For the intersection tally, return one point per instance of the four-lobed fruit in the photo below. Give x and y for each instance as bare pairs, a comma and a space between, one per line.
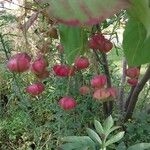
84, 90
99, 42
96, 41
107, 46
67, 103
113, 92
101, 94
39, 65
81, 63
19, 63
63, 70
98, 81
133, 72
35, 89
132, 82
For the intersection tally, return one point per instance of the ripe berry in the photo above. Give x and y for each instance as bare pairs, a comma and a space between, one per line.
67, 103
81, 63
132, 82
19, 63
61, 70
84, 90
101, 94
133, 72
35, 89
98, 81
39, 65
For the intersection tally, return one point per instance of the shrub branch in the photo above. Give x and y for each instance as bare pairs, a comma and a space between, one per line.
136, 92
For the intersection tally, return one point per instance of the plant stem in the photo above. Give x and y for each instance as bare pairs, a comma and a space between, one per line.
136, 92
121, 91
107, 73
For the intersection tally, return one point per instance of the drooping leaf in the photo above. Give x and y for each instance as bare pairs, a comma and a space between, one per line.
77, 12
115, 138
140, 146
136, 45
94, 136
74, 40
140, 11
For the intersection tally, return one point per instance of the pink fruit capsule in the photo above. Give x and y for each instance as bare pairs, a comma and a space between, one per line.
133, 72
67, 103
101, 94
35, 89
39, 65
19, 63
98, 81
132, 82
81, 63
61, 70
84, 90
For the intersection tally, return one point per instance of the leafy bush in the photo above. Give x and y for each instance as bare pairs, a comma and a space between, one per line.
138, 128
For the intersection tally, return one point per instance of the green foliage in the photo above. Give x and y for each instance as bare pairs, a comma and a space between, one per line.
137, 33
6, 18
136, 44
139, 146
140, 11
16, 124
78, 143
74, 40
138, 129
26, 120
97, 140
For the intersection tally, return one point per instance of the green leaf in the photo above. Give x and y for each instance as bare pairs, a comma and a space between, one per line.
70, 146
74, 40
140, 10
140, 146
79, 12
76, 142
98, 127
135, 43
94, 136
108, 123
121, 146
115, 138
111, 130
